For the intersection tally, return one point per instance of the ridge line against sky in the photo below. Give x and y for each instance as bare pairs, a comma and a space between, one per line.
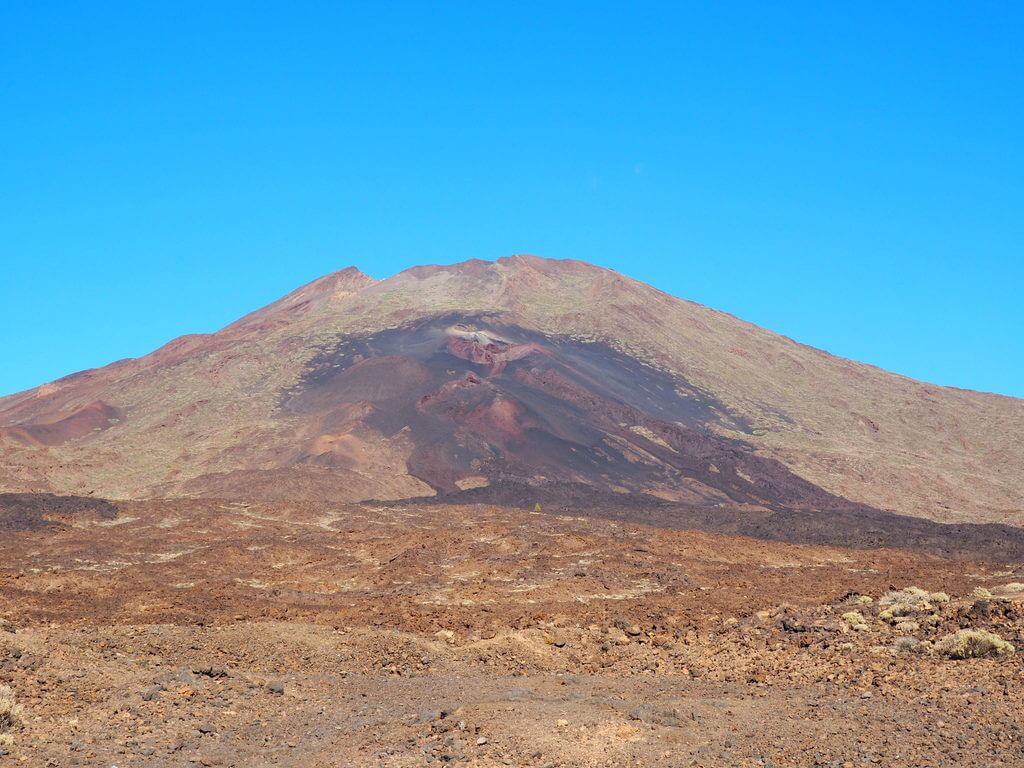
381, 277
847, 177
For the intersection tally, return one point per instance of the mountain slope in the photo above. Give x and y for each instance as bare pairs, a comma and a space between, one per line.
450, 377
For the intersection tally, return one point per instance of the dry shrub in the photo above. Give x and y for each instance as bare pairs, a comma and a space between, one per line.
1012, 591
10, 714
973, 644
905, 644
907, 602
855, 621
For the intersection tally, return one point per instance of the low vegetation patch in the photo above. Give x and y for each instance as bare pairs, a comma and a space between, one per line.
856, 621
905, 644
1012, 591
911, 601
973, 644
10, 715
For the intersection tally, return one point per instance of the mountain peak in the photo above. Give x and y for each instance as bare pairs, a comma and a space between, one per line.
331, 286
523, 283
328, 289
447, 377
511, 263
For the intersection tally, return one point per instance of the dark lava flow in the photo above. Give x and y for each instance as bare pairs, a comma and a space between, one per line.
479, 397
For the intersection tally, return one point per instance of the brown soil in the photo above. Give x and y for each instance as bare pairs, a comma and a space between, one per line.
178, 633
60, 428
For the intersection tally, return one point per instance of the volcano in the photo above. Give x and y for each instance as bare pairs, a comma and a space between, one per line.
524, 372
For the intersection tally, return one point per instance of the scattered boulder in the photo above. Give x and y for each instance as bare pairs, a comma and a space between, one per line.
653, 715
210, 671
152, 693
790, 624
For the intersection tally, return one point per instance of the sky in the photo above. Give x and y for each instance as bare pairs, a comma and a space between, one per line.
850, 175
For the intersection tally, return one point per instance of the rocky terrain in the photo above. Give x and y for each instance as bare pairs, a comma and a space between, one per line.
225, 633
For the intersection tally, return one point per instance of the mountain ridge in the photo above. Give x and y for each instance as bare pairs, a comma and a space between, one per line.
208, 405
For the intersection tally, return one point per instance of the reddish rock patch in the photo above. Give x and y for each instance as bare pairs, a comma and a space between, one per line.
60, 428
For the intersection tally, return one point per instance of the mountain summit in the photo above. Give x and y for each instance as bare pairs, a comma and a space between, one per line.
443, 379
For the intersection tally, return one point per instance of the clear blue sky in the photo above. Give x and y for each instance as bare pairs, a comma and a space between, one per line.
848, 174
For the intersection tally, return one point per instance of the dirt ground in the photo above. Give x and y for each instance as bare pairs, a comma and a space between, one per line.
199, 633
